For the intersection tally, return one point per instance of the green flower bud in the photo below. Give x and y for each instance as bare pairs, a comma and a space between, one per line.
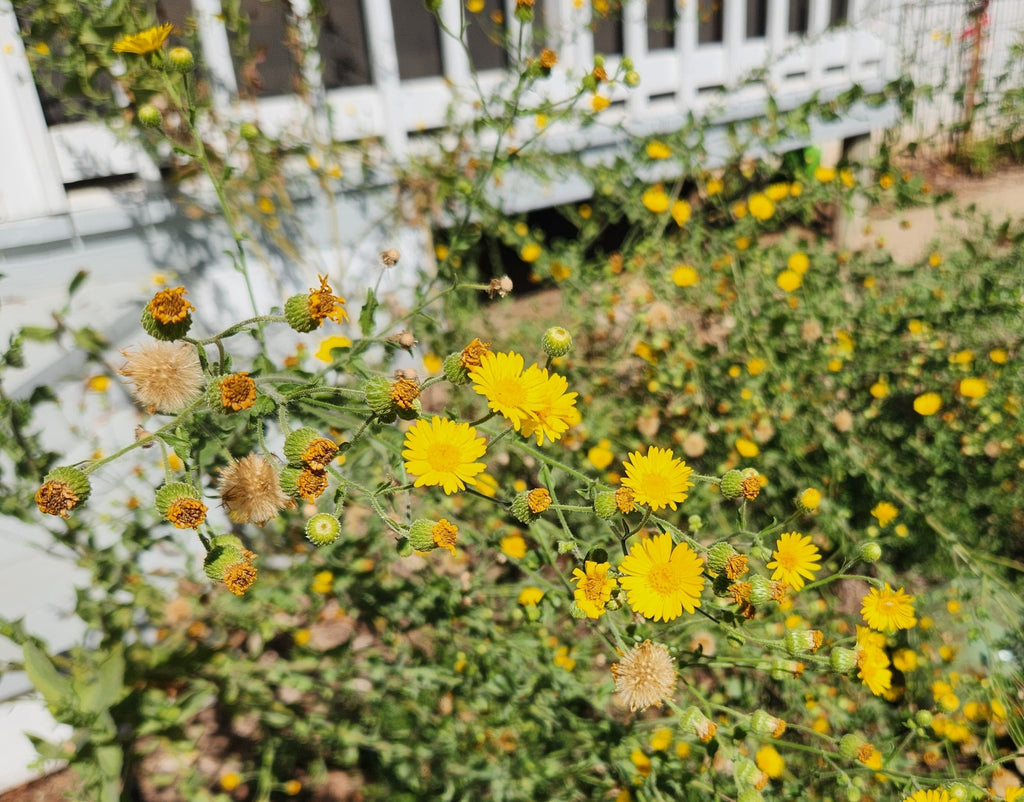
761, 592
566, 546
695, 523
181, 59
718, 556
421, 535
404, 547
378, 398
521, 508
731, 485
556, 341
149, 116
850, 745
924, 718
803, 641
221, 557
746, 773
841, 660
870, 552
764, 725
605, 505
323, 529
248, 132
453, 370
598, 60
296, 443
632, 78
296, 311
590, 82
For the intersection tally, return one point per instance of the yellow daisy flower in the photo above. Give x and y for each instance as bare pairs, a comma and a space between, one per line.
657, 479
508, 389
593, 587
888, 609
796, 558
442, 452
552, 409
929, 795
144, 42
662, 580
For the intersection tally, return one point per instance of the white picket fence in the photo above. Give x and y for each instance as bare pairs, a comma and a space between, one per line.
682, 71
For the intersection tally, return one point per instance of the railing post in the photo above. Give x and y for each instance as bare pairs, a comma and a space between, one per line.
817, 22
734, 33
27, 161
778, 34
687, 41
384, 69
634, 46
213, 39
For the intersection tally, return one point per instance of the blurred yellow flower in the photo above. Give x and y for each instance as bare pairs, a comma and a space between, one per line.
474, 6
685, 276
798, 262
98, 384
747, 448
601, 456
756, 366
973, 388
998, 355
825, 174
713, 186
880, 389
935, 259
530, 596
599, 103
789, 280
681, 212
927, 404
658, 150
323, 352
432, 363
761, 206
530, 252
885, 513
656, 199
770, 761
514, 546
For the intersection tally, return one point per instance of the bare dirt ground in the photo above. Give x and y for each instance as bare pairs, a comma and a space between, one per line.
908, 234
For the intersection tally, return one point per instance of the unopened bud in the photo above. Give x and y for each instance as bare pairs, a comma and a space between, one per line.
557, 341
181, 59
870, 552
150, 116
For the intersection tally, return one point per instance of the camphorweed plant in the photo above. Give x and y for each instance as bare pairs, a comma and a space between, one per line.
534, 572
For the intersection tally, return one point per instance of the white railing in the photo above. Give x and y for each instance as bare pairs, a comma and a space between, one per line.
682, 72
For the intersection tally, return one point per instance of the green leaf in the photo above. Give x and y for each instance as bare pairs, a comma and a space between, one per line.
366, 313
88, 339
77, 282
104, 688
110, 760
39, 334
54, 687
